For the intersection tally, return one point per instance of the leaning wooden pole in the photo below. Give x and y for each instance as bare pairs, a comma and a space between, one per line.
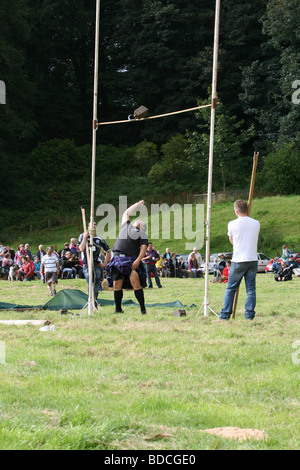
251, 192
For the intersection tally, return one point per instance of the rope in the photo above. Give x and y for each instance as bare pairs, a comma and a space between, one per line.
155, 117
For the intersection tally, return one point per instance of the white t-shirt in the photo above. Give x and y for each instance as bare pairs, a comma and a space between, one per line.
49, 263
244, 232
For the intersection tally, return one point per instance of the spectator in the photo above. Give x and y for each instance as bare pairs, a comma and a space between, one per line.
40, 253
67, 266
182, 268
294, 265
150, 261
21, 252
28, 251
175, 271
286, 253
73, 247
217, 272
37, 267
197, 256
167, 254
276, 265
65, 250
26, 273
11, 251
7, 262
284, 273
2, 252
225, 273
194, 267
166, 267
159, 263
222, 262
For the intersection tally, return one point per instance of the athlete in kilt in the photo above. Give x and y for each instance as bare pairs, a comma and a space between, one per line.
50, 270
98, 244
125, 269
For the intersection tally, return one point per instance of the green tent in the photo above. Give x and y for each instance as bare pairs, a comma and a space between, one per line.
73, 299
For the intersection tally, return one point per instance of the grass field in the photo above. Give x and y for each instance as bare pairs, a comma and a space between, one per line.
156, 381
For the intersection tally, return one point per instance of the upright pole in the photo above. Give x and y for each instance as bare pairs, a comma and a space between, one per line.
211, 152
91, 305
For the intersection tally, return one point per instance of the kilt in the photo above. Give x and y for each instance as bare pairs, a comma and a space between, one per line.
120, 267
50, 277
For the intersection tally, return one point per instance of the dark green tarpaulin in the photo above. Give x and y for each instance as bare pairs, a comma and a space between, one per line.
73, 299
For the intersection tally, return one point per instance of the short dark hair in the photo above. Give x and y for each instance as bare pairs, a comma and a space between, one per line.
241, 206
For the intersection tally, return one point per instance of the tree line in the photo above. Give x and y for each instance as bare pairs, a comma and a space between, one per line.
156, 53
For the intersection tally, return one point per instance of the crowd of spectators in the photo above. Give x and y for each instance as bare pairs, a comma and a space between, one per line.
27, 265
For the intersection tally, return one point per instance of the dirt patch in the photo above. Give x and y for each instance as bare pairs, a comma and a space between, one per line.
237, 433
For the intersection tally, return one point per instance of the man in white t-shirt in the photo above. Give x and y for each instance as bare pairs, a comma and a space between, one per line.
50, 270
243, 234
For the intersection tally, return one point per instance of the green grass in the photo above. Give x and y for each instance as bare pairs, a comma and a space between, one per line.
149, 382
279, 218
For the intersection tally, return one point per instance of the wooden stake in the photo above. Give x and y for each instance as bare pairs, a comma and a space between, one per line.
254, 168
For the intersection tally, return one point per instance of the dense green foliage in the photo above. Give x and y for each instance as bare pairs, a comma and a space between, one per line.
157, 54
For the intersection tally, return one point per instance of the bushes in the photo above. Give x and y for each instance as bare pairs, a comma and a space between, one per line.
281, 171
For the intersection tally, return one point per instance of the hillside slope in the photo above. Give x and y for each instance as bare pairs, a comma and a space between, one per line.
279, 218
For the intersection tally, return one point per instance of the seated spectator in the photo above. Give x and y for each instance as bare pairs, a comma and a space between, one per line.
65, 250
2, 253
159, 264
37, 267
78, 265
226, 270
183, 269
40, 253
21, 252
26, 273
217, 272
67, 266
73, 246
194, 267
276, 265
7, 262
166, 268
175, 270
167, 254
284, 273
197, 256
294, 265
222, 262
28, 251
11, 251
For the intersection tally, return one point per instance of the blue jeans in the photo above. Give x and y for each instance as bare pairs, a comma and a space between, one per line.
248, 270
151, 268
96, 277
